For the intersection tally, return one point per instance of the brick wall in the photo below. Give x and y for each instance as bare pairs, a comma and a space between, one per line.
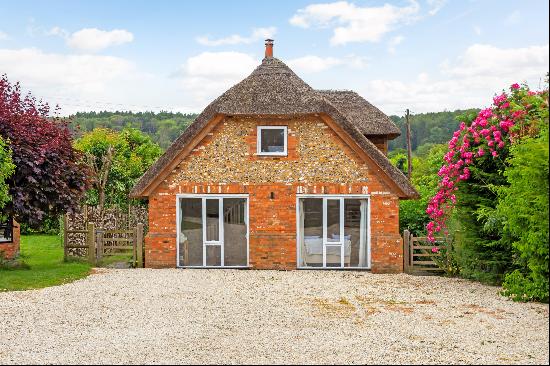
319, 161
11, 250
381, 143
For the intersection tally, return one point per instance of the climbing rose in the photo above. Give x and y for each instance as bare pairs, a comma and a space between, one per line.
490, 132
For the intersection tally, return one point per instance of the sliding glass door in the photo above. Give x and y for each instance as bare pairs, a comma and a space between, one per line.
333, 232
213, 231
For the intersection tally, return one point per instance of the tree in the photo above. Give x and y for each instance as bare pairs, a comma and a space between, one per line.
399, 159
523, 205
482, 169
6, 170
434, 127
482, 143
412, 213
49, 177
116, 160
162, 127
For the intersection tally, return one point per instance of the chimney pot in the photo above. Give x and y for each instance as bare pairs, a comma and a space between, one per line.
268, 48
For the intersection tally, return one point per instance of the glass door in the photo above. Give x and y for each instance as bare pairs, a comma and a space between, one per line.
333, 232
213, 231
333, 240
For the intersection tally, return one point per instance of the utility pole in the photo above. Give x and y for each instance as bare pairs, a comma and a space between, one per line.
409, 162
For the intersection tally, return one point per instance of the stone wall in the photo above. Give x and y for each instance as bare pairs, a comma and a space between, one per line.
228, 155
318, 161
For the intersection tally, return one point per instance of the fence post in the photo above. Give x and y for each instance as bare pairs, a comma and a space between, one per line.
65, 238
99, 241
134, 246
90, 240
411, 252
139, 245
406, 251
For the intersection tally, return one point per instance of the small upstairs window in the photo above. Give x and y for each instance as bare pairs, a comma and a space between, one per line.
272, 140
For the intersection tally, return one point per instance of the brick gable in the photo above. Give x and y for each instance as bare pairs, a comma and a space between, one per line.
318, 161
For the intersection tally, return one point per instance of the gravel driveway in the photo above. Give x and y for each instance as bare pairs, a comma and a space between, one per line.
231, 316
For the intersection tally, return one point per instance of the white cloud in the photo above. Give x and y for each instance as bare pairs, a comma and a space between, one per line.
353, 23
90, 82
423, 77
394, 42
313, 64
83, 82
209, 74
3, 36
477, 30
436, 6
513, 18
90, 39
93, 39
469, 81
481, 60
85, 72
57, 31
256, 35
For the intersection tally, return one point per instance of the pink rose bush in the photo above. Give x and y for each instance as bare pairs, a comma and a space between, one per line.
490, 132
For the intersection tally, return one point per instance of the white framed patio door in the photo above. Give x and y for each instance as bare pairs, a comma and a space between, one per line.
333, 231
333, 243
213, 243
212, 231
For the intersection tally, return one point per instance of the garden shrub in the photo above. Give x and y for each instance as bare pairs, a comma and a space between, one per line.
412, 213
494, 190
524, 206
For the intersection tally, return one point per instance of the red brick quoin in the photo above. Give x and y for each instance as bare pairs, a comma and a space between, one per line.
10, 250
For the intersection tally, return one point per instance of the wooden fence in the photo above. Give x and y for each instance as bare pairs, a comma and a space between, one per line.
418, 256
111, 218
99, 243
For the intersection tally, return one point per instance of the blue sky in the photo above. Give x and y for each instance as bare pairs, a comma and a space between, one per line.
426, 55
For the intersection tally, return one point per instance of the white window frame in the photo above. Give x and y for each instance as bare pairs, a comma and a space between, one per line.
326, 243
259, 141
219, 242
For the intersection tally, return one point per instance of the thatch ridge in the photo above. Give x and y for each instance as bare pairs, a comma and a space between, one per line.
366, 117
274, 89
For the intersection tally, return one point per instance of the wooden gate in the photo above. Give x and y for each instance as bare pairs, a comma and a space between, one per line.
100, 243
417, 253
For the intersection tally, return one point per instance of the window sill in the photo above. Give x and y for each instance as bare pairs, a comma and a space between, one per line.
278, 155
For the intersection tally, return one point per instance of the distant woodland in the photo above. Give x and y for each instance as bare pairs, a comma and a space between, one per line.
427, 129
163, 127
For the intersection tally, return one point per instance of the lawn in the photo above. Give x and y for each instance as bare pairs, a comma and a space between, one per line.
44, 255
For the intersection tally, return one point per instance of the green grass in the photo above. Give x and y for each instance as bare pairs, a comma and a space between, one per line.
44, 255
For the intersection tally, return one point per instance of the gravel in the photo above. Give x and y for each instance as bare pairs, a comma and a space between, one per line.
231, 316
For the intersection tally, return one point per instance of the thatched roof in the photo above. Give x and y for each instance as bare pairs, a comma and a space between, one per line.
274, 89
368, 119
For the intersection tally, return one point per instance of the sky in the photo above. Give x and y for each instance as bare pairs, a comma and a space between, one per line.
426, 56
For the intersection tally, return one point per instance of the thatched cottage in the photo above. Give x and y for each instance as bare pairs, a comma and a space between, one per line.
276, 175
